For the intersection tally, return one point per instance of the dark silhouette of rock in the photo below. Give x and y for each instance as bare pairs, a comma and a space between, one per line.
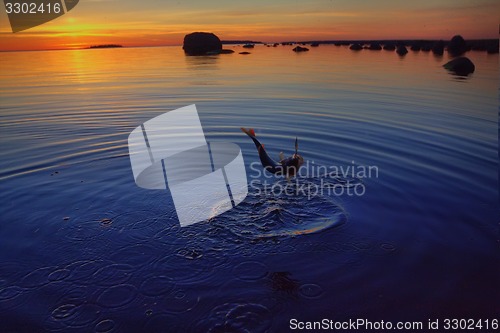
248, 46
355, 47
426, 48
239, 42
223, 51
460, 66
478, 48
276, 44
201, 43
492, 50
375, 47
415, 47
245, 53
488, 45
314, 44
300, 49
389, 47
457, 46
338, 44
438, 48
105, 46
402, 50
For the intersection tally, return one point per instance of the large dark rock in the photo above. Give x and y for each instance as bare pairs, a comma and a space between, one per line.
356, 47
300, 49
375, 47
402, 50
460, 66
457, 46
438, 48
201, 43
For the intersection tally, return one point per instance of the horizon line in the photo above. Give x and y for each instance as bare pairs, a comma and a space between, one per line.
242, 41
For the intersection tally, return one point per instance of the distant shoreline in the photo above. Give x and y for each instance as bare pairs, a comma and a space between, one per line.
242, 42
236, 42
104, 46
385, 41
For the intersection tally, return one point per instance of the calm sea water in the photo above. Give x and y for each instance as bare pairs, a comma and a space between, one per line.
82, 248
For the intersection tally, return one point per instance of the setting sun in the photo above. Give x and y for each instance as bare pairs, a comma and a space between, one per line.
150, 23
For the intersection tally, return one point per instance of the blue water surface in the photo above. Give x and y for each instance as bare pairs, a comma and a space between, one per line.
83, 249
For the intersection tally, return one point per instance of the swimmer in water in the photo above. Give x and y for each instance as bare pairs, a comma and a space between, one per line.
288, 167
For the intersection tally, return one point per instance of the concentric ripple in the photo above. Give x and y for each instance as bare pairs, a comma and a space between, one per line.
117, 296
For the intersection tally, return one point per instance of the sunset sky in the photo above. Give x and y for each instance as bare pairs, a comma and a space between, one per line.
165, 22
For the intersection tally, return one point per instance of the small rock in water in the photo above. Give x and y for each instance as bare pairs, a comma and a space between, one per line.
245, 53
438, 48
300, 49
492, 50
460, 66
426, 47
402, 50
375, 47
355, 47
66, 218
389, 47
416, 47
